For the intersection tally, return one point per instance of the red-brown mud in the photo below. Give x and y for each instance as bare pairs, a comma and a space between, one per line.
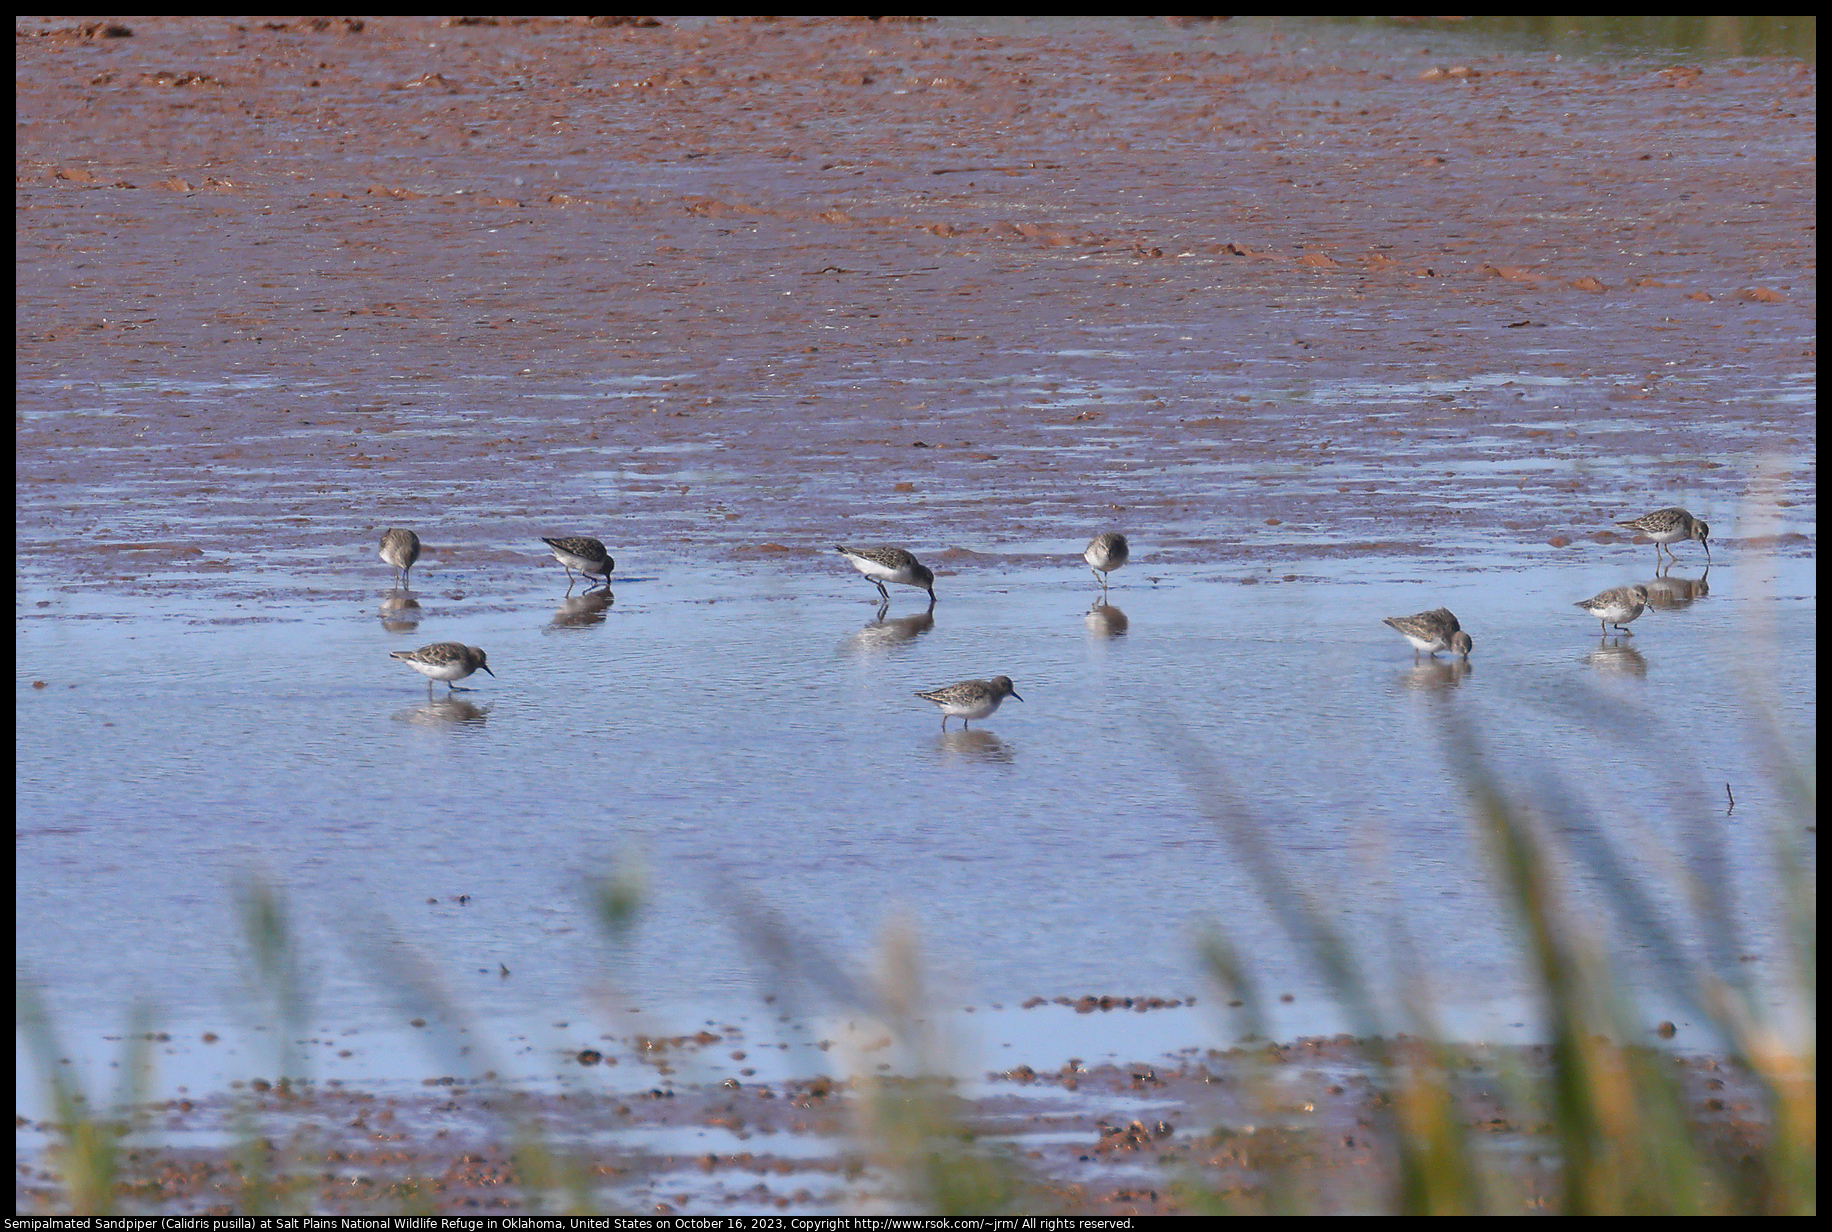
1132, 1139
726, 289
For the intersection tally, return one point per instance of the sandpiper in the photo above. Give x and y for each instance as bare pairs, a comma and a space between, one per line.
1617, 606
447, 661
1430, 632
588, 556
1105, 553
970, 699
1669, 526
400, 548
883, 565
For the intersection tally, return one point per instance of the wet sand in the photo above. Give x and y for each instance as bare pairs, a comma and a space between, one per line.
734, 290
1172, 1137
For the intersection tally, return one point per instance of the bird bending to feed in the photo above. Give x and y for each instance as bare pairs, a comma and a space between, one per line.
970, 699
1669, 526
883, 565
1617, 606
1105, 553
447, 661
1430, 632
588, 556
400, 548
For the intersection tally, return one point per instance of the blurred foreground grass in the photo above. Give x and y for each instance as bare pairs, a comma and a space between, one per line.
1618, 1135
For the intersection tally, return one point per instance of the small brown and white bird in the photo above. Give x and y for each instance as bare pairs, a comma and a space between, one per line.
1430, 632
447, 661
882, 564
970, 699
588, 556
1105, 553
1617, 606
400, 548
1669, 526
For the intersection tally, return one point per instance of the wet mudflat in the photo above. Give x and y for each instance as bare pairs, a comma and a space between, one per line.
1336, 323
1160, 1136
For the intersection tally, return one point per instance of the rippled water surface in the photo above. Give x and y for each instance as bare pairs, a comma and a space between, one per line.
749, 736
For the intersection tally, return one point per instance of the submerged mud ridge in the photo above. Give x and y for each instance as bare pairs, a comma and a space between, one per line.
1130, 1139
1254, 292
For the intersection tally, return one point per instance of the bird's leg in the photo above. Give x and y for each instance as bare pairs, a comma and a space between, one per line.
880, 585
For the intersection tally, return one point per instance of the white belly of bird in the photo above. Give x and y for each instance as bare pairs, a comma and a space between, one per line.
872, 569
455, 670
583, 564
1619, 613
971, 710
1430, 645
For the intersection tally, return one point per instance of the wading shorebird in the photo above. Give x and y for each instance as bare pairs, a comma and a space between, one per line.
1669, 526
970, 699
1617, 606
1430, 632
447, 661
400, 548
1105, 553
883, 565
588, 556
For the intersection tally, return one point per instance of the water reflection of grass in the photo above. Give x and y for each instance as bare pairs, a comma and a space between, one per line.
1614, 1133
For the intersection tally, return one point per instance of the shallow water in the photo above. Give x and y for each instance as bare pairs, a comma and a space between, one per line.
749, 737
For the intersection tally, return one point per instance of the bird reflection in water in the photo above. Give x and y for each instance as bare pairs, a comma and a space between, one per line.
400, 611
584, 610
444, 712
882, 634
1670, 594
1105, 621
1617, 658
1436, 675
970, 745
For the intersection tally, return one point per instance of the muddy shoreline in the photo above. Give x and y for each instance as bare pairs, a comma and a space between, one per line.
715, 291
1084, 1139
